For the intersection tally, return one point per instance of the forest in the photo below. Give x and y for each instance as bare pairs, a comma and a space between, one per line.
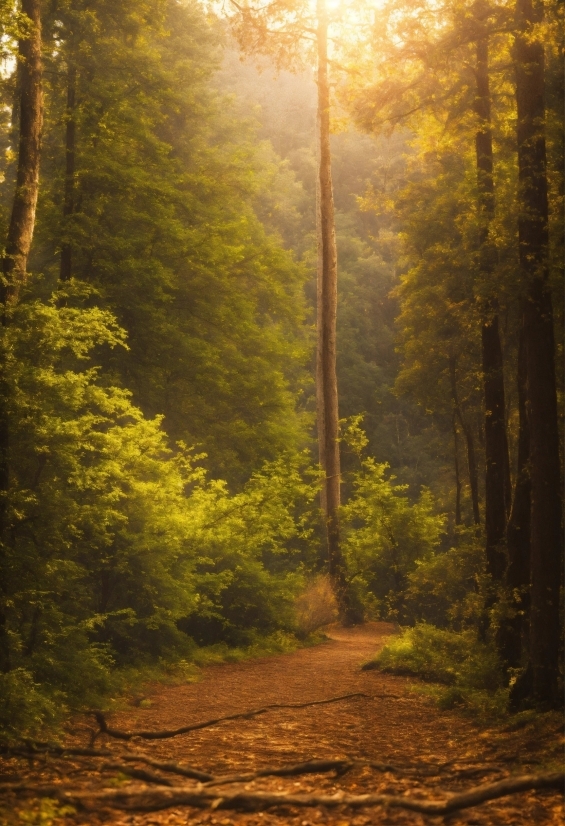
281, 350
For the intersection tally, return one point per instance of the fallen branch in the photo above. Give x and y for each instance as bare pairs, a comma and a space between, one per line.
47, 749
174, 768
242, 715
32, 749
309, 767
142, 800
138, 774
340, 766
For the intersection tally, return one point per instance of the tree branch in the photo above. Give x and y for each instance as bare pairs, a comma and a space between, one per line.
167, 733
143, 800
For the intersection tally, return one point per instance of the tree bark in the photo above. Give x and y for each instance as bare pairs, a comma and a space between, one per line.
14, 263
457, 475
512, 636
496, 444
327, 395
66, 269
470, 442
22, 219
546, 534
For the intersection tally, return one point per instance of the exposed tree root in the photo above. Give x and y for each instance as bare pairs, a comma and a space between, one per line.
309, 767
167, 733
169, 766
340, 766
147, 800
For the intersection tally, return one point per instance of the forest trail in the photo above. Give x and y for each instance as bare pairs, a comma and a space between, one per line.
442, 751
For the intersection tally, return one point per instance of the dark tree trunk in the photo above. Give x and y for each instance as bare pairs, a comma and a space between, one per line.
14, 263
327, 395
496, 450
546, 534
457, 475
512, 635
22, 219
66, 270
469, 441
496, 444
473, 474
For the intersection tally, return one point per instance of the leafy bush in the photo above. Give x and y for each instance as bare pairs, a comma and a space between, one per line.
385, 536
115, 548
25, 706
444, 588
469, 670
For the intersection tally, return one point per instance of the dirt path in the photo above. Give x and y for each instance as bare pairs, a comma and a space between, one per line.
404, 729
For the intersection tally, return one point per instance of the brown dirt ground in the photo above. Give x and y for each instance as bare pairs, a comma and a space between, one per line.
407, 730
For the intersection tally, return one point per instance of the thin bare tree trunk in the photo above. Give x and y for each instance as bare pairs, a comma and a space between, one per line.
469, 441
496, 441
457, 474
327, 395
66, 270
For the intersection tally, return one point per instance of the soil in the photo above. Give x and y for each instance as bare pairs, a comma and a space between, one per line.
396, 723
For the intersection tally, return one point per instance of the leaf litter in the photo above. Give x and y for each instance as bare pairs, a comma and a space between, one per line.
433, 753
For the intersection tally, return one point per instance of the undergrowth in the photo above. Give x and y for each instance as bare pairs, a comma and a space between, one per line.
27, 710
462, 671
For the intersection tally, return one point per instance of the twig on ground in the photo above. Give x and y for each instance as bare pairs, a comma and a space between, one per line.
143, 800
167, 733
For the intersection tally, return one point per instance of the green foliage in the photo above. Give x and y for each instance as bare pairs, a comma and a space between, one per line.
445, 588
25, 707
469, 669
385, 536
113, 540
163, 226
43, 812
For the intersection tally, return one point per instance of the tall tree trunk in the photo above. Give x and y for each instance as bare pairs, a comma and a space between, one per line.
327, 396
457, 474
14, 263
496, 444
512, 634
69, 194
546, 532
22, 219
469, 441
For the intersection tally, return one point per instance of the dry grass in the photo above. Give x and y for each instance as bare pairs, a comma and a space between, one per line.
315, 607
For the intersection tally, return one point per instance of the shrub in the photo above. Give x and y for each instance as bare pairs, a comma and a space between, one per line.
112, 539
444, 588
24, 707
470, 669
385, 535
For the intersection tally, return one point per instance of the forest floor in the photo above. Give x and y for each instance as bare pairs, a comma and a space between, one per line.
434, 753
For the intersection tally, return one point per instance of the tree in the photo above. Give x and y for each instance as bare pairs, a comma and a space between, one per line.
539, 345
291, 26
425, 81
30, 111
19, 237
497, 465
160, 217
